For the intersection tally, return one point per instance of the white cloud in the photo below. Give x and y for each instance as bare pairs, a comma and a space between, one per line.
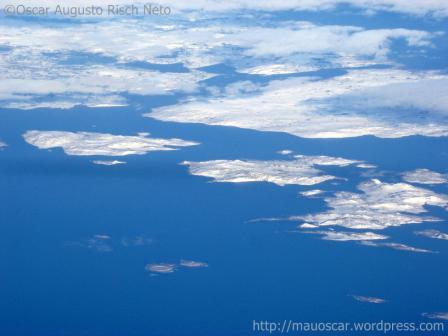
193, 264
39, 64
197, 45
301, 62
308, 226
347, 236
437, 316
309, 38
105, 243
94, 86
34, 70
366, 166
108, 162
278, 69
368, 299
170, 268
86, 143
161, 268
111, 38
311, 193
435, 234
136, 241
437, 8
285, 152
98, 243
2, 144
102, 236
379, 205
123, 40
428, 95
424, 176
397, 246
301, 171
307, 107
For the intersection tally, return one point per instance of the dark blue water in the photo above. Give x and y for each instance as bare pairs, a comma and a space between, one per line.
257, 271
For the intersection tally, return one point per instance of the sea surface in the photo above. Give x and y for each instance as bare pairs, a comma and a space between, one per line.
54, 283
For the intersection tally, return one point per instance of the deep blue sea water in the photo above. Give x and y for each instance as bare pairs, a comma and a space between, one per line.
257, 270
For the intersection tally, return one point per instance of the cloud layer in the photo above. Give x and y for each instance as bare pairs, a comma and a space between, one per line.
414, 7
40, 70
39, 82
312, 108
425, 176
435, 234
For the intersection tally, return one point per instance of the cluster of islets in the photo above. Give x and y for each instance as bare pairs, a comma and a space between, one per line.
165, 268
